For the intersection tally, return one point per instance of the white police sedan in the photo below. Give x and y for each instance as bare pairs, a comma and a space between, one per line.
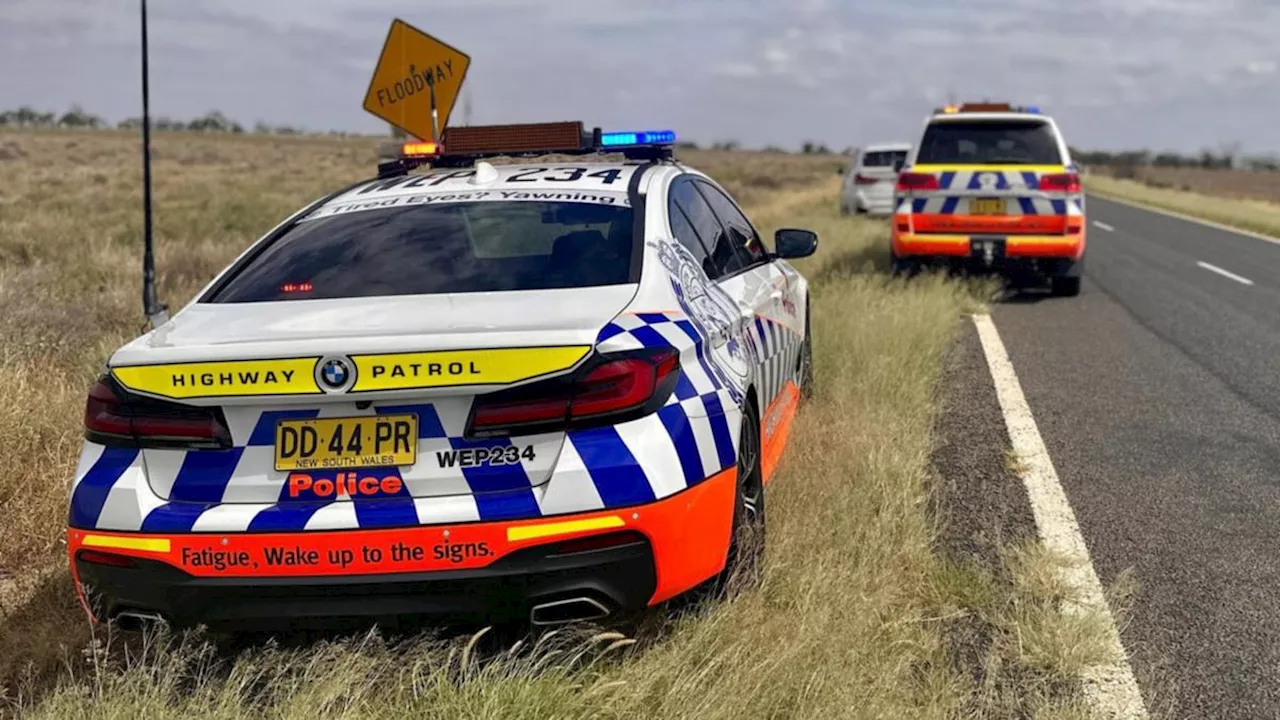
547, 392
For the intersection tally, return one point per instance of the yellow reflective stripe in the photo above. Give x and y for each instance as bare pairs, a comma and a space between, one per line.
228, 378
157, 545
448, 368
990, 168
533, 532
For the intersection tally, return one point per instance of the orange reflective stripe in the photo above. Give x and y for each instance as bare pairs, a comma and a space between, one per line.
775, 428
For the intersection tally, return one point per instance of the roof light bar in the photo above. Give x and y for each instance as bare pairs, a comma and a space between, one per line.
461, 146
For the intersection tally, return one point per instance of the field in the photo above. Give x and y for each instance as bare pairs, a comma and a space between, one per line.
858, 609
1239, 198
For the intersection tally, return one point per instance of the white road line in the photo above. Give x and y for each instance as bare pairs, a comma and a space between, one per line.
1224, 273
1111, 689
1103, 226
1190, 218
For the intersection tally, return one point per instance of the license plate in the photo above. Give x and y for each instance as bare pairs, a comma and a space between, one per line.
348, 442
986, 206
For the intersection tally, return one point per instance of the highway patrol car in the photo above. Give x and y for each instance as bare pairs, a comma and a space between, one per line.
992, 186
550, 391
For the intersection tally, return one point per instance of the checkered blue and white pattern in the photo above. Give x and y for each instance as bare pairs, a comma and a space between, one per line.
691, 438
959, 205
958, 188
780, 350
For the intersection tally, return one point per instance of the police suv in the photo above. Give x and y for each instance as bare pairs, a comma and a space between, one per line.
547, 392
992, 186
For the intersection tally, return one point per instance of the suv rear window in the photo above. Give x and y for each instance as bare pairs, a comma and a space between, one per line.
960, 142
460, 247
884, 158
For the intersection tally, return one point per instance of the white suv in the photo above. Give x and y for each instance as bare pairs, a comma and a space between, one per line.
869, 179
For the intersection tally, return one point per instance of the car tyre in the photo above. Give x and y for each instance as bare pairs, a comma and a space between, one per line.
906, 267
1066, 286
806, 362
743, 562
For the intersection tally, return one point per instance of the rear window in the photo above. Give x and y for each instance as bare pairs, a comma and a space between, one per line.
884, 158
460, 247
1015, 142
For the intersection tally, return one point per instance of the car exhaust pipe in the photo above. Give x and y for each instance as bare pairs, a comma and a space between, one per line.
570, 610
140, 620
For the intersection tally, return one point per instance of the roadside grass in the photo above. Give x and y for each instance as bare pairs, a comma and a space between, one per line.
1254, 215
849, 620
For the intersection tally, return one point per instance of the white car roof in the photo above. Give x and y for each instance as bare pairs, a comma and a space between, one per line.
881, 147
960, 117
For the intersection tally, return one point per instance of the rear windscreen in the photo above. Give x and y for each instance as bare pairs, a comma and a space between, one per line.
884, 158
1017, 142
459, 247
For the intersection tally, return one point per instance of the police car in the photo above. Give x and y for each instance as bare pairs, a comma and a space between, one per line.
992, 186
545, 392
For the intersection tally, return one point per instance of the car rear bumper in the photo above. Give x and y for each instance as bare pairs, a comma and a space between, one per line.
1069, 247
615, 561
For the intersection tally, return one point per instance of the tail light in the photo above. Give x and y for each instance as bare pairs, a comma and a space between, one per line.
916, 182
115, 418
612, 389
105, 558
861, 179
1060, 182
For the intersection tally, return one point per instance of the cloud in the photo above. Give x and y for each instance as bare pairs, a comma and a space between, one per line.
1158, 73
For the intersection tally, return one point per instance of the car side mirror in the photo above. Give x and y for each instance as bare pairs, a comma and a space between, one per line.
795, 243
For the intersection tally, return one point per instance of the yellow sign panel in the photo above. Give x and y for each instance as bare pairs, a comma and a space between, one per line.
411, 65
449, 368
295, 376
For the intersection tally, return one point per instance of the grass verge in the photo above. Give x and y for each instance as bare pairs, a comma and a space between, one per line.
849, 620
1254, 215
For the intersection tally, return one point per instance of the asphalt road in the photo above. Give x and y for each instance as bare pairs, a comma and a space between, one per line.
1157, 392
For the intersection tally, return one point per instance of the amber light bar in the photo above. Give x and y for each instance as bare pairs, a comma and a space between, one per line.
523, 138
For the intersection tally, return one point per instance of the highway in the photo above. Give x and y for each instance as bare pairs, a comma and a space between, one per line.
1157, 393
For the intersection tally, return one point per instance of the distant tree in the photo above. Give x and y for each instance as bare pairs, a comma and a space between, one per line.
76, 117
261, 128
133, 123
687, 145
726, 145
214, 121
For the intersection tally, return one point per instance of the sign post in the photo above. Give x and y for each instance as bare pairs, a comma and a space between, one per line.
416, 82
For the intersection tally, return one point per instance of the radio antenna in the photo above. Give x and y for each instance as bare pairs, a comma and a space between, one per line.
157, 313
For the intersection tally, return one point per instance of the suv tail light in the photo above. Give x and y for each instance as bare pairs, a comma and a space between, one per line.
915, 182
614, 388
861, 179
1060, 182
114, 418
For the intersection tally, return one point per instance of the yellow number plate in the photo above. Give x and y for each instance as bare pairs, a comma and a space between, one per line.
350, 442
986, 206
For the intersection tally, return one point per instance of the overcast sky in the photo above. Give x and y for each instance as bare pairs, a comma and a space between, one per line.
1180, 74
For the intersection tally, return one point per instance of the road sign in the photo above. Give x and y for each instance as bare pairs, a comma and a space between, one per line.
416, 75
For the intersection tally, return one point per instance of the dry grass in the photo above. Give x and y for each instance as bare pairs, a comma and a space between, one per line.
849, 620
1249, 214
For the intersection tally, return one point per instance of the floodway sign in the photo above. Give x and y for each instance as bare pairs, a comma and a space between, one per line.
411, 62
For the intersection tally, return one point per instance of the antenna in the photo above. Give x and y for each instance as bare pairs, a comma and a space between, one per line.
157, 313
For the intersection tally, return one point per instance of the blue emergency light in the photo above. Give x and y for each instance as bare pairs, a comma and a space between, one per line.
1033, 109
632, 139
